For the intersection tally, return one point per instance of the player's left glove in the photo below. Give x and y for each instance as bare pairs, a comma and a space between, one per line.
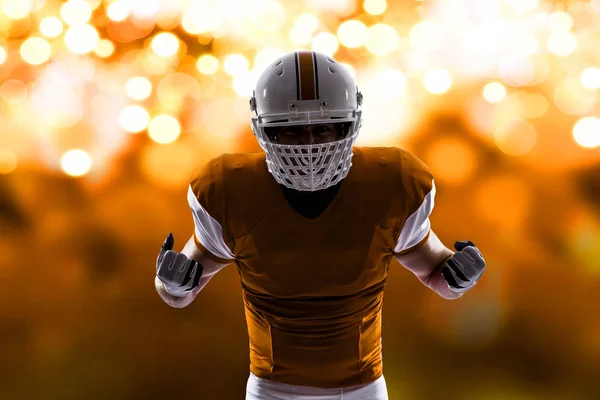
179, 274
464, 268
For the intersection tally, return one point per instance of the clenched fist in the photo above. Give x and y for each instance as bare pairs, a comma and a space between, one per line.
464, 268
177, 272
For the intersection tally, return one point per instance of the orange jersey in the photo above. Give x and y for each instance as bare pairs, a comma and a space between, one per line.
313, 288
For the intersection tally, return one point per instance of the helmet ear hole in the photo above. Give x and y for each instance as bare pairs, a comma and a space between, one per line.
280, 73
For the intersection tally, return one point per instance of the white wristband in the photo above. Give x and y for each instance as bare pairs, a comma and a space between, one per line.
176, 293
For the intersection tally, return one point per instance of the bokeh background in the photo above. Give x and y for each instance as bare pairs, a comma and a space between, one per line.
107, 107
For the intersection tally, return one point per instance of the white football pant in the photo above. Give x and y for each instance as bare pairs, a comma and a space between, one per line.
263, 389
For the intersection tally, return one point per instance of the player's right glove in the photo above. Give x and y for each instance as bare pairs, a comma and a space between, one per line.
464, 268
177, 272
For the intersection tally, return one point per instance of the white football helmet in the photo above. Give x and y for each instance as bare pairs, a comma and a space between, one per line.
306, 87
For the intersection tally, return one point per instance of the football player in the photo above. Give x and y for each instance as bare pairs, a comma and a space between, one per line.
312, 225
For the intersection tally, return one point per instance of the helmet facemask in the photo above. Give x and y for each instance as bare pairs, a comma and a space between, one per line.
308, 167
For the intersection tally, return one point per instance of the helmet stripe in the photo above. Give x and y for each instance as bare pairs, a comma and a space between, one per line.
297, 77
307, 75
316, 74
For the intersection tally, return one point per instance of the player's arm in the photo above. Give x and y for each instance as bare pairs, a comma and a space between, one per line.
426, 262
207, 251
448, 273
205, 264
418, 249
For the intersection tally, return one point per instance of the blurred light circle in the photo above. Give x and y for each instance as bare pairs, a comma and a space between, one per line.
94, 3
235, 64
138, 88
572, 98
267, 16
144, 9
349, 68
35, 50
266, 56
75, 12
165, 44
51, 27
307, 22
562, 43
300, 36
76, 162
437, 81
586, 132
2, 55
13, 91
560, 21
134, 119
494, 92
352, 33
207, 64
517, 70
515, 138
8, 161
190, 22
81, 39
382, 39
205, 39
325, 43
426, 35
117, 11
164, 129
16, 9
452, 160
375, 7
104, 48
390, 84
590, 78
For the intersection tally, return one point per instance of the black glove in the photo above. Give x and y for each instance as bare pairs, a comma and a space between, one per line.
177, 272
464, 268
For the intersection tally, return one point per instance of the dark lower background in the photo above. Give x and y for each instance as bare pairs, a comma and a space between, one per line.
80, 319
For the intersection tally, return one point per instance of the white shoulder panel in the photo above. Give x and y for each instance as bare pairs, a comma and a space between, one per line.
417, 225
208, 231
